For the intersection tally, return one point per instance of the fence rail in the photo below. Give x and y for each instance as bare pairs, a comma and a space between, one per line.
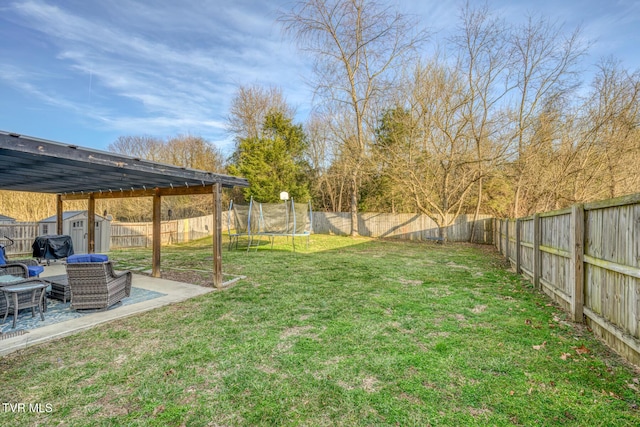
587, 259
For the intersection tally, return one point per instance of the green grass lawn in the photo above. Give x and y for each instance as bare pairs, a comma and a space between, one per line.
348, 332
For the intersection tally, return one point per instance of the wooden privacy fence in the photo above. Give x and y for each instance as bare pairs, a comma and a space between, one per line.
587, 259
22, 233
400, 226
404, 226
140, 234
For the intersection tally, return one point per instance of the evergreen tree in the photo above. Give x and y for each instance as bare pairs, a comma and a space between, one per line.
274, 162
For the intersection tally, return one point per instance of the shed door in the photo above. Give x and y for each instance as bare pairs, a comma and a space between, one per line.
79, 236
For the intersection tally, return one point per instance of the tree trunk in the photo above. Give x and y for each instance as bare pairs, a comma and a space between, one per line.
516, 198
477, 212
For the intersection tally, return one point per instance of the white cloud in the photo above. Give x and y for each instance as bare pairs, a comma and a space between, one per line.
141, 60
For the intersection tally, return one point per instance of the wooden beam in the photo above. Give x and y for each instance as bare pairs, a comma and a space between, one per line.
91, 225
555, 251
110, 195
157, 235
217, 236
626, 270
610, 203
176, 191
59, 214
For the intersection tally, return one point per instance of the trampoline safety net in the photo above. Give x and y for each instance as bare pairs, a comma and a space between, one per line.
269, 219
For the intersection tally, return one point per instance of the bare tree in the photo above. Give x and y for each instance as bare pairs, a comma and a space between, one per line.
188, 151
427, 144
483, 60
610, 137
249, 108
356, 46
543, 72
143, 147
328, 174
193, 152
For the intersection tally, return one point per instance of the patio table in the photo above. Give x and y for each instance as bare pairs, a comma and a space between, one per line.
36, 287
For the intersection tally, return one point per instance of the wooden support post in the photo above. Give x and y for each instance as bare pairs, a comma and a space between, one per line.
91, 224
217, 235
157, 234
59, 214
537, 256
577, 262
518, 249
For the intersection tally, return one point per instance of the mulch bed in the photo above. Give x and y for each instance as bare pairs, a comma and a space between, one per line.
192, 277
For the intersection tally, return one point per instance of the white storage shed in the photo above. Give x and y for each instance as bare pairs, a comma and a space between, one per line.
75, 224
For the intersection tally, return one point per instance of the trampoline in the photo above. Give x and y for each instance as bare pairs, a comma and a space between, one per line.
270, 220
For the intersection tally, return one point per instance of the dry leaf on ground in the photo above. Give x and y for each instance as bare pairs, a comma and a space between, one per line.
539, 347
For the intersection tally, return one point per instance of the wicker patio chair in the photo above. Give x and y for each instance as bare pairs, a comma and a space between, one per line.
13, 273
34, 268
94, 285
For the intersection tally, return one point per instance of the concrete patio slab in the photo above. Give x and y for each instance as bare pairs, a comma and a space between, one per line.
175, 292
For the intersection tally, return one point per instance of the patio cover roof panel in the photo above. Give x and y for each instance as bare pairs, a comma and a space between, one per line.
37, 165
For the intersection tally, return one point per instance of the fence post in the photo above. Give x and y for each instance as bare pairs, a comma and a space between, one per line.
500, 248
577, 262
518, 251
506, 249
493, 231
537, 258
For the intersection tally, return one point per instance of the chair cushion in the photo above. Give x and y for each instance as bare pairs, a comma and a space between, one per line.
87, 258
79, 258
35, 270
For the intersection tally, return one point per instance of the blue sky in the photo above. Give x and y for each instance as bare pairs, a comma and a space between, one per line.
87, 71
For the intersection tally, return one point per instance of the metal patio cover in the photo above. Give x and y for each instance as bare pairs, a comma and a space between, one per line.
42, 166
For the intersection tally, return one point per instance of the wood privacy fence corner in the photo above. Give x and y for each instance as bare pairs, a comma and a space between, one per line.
587, 259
